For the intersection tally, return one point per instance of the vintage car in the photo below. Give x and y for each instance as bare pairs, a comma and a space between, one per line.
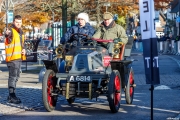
86, 69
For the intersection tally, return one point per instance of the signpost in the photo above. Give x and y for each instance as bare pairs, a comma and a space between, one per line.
9, 12
7, 2
149, 40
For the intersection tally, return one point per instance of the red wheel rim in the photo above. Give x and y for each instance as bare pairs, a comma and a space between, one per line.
117, 95
131, 82
49, 90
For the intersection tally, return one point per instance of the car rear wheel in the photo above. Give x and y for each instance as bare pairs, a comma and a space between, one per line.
114, 91
129, 91
48, 90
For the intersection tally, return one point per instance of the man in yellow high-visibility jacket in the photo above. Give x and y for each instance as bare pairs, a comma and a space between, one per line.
15, 53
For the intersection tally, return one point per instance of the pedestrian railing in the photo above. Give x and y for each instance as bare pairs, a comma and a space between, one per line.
169, 47
2, 52
164, 47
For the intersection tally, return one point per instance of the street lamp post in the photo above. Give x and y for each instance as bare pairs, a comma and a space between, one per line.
30, 25
107, 5
64, 16
7, 13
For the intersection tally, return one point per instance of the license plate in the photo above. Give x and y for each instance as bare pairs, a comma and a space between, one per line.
80, 79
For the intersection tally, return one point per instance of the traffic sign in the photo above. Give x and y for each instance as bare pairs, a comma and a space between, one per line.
10, 16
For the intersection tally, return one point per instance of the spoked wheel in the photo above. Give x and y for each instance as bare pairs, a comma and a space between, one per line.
114, 91
129, 91
48, 90
71, 100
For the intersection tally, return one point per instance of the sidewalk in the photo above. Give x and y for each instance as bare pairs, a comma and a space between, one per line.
29, 89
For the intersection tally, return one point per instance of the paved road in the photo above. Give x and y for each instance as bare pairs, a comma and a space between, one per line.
166, 104
166, 97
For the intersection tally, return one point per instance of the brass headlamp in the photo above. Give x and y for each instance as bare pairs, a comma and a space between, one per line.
116, 49
59, 51
69, 60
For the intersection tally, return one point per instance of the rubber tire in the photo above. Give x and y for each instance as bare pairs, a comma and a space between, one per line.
71, 100
49, 106
129, 91
111, 91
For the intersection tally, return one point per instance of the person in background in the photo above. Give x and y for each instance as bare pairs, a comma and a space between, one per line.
166, 40
82, 27
15, 53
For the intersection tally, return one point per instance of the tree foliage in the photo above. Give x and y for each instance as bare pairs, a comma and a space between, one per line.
40, 11
2, 24
35, 18
162, 4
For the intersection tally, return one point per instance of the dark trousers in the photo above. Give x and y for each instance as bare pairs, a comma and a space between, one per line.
14, 73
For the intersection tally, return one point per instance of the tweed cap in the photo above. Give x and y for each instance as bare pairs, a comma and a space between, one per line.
107, 15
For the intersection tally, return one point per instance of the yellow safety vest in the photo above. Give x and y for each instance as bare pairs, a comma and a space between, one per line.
13, 50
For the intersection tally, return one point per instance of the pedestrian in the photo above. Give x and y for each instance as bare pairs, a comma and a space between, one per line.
108, 29
15, 53
172, 46
138, 29
166, 40
82, 27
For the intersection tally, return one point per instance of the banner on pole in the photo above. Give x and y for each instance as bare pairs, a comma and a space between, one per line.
148, 32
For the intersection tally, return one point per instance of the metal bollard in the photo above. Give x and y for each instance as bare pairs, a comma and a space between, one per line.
169, 46
175, 47
172, 47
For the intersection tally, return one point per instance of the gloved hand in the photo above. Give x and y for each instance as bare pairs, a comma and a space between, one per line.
116, 40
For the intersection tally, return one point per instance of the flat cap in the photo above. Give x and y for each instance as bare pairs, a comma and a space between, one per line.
107, 15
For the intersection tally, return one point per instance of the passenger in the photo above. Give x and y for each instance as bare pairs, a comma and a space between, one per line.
82, 27
110, 30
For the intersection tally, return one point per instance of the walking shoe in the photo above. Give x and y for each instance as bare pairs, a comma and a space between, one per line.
13, 99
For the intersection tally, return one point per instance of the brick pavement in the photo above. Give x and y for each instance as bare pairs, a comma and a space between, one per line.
29, 89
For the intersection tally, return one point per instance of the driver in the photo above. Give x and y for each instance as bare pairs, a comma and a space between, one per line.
108, 29
82, 27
